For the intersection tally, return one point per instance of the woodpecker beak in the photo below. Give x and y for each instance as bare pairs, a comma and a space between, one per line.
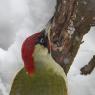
43, 40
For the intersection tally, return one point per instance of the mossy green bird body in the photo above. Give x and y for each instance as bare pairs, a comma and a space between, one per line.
48, 78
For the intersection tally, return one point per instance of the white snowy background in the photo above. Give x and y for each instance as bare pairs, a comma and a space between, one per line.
21, 18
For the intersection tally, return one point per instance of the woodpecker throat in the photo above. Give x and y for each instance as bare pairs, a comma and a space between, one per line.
43, 40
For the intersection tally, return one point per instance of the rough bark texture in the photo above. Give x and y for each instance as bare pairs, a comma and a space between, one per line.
71, 21
87, 69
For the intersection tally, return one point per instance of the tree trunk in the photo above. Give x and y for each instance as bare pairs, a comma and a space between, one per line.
71, 21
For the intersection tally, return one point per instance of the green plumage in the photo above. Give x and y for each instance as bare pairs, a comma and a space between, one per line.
48, 79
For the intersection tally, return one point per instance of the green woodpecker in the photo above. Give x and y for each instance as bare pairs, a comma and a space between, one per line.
41, 75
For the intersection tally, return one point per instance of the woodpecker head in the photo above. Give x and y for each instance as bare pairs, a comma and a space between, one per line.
28, 49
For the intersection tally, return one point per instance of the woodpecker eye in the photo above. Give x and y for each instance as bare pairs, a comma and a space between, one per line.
42, 41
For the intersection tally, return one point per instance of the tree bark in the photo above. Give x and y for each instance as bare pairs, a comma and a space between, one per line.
87, 69
71, 21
